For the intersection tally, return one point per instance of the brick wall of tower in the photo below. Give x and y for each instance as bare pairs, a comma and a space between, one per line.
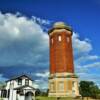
61, 55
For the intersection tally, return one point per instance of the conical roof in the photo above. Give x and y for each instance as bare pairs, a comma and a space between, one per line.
60, 25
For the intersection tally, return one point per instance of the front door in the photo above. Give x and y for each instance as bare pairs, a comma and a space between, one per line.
29, 96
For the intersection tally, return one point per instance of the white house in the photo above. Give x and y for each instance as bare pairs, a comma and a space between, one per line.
18, 88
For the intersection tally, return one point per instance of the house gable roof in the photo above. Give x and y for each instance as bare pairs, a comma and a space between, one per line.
20, 76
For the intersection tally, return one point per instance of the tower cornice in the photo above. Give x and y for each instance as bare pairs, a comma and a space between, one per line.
60, 25
59, 31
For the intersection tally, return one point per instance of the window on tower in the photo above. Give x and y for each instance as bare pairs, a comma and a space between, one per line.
73, 92
52, 86
51, 40
59, 38
68, 39
73, 83
61, 86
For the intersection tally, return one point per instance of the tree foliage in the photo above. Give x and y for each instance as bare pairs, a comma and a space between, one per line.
89, 89
38, 92
41, 92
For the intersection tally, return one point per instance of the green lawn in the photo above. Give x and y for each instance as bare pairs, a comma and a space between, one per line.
53, 98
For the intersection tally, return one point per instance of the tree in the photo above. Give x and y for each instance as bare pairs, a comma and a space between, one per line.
89, 89
38, 92
41, 92
95, 92
2, 85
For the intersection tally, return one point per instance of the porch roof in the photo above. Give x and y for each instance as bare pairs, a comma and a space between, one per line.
24, 86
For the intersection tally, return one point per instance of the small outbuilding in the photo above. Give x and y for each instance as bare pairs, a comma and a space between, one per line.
18, 88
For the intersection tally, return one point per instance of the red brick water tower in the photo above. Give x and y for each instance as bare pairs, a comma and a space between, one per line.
62, 80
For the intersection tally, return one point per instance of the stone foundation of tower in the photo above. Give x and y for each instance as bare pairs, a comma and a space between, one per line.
63, 85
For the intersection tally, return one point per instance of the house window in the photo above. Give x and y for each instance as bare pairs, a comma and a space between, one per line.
26, 81
19, 81
61, 86
11, 84
8, 93
4, 93
59, 38
1, 93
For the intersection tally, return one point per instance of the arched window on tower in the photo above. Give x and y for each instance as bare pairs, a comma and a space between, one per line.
59, 38
68, 39
51, 40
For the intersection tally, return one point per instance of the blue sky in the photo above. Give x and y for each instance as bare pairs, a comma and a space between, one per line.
24, 41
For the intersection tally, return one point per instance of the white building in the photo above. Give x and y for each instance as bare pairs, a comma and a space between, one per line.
18, 88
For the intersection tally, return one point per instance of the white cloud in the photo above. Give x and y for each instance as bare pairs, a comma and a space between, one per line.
40, 21
15, 26
35, 85
41, 83
85, 58
95, 65
2, 78
22, 40
43, 75
80, 46
84, 62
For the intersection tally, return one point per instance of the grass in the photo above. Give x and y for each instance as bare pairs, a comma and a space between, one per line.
1, 99
63, 98
53, 98
50, 98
